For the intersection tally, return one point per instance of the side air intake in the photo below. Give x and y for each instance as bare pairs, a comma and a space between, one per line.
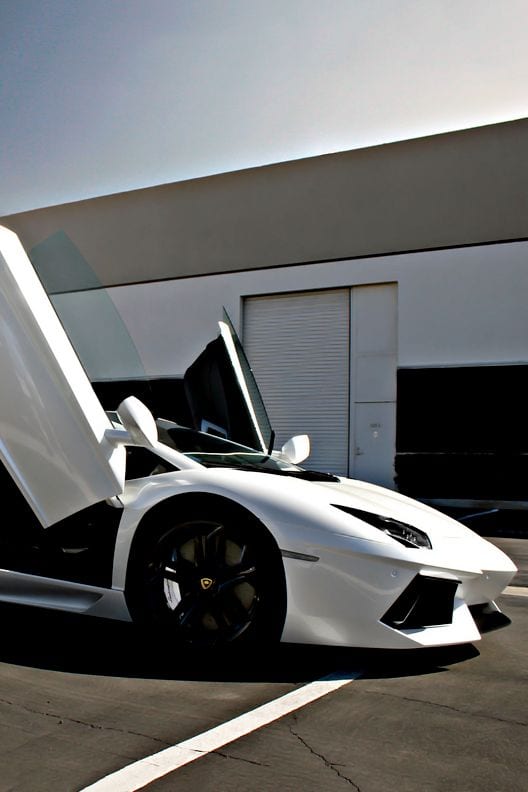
426, 602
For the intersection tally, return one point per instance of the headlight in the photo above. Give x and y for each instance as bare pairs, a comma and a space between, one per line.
405, 534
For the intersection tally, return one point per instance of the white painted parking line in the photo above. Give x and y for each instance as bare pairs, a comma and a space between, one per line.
516, 591
137, 775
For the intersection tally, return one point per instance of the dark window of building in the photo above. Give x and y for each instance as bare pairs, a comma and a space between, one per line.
463, 432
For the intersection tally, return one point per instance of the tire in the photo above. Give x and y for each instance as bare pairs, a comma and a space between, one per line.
210, 581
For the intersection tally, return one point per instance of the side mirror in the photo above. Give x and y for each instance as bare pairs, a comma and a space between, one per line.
138, 422
296, 449
139, 429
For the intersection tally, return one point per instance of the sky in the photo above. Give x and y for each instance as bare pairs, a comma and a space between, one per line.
103, 96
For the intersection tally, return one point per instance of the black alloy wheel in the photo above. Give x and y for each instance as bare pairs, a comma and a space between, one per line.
211, 581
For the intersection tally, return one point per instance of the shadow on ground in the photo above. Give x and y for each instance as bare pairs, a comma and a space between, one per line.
78, 644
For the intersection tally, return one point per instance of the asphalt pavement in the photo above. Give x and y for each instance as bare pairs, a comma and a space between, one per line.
80, 698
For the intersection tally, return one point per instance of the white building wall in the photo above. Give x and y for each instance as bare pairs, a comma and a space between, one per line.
462, 306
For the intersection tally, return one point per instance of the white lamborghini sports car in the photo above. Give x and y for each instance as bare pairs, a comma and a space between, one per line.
204, 530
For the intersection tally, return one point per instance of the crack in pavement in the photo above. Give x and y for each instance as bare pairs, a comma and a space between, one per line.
454, 709
331, 765
62, 718
240, 759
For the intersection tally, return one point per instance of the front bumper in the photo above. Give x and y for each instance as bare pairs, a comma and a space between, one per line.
353, 598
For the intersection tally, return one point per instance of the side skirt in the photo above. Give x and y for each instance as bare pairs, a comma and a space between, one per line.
23, 589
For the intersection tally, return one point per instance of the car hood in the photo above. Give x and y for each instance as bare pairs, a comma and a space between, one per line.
387, 503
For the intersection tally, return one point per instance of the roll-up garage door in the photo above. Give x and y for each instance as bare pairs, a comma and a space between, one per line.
298, 348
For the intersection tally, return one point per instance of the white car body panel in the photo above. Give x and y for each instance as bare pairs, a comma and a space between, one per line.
63, 595
340, 598
52, 424
230, 347
343, 575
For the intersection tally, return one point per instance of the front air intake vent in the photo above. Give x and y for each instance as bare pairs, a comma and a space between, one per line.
426, 602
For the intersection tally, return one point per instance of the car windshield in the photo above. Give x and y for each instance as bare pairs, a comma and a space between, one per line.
213, 451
